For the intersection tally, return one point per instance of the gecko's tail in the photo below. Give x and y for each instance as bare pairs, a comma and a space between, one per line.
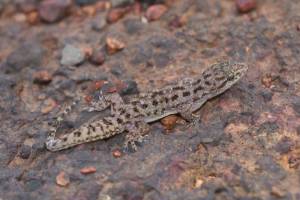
88, 132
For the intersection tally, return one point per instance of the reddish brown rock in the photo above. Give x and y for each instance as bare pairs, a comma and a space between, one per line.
42, 77
33, 17
155, 12
244, 6
114, 45
115, 14
62, 179
117, 153
98, 57
88, 170
169, 122
53, 10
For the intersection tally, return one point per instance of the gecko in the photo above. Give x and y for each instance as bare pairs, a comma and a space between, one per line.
133, 117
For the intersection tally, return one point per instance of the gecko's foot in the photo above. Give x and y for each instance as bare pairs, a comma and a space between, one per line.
131, 144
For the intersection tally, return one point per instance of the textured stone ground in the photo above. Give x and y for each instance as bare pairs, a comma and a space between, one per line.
247, 144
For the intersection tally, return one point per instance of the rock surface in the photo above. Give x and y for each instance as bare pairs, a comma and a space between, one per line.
245, 146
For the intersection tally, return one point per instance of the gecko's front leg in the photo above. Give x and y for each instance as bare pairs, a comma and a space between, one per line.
101, 102
137, 130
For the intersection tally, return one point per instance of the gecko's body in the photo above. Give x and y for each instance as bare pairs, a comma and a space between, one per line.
182, 98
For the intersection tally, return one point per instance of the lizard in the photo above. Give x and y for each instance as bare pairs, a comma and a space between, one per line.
183, 98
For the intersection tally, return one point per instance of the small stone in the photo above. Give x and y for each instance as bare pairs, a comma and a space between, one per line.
284, 145
114, 45
117, 153
267, 80
120, 3
155, 12
84, 2
71, 56
42, 77
33, 17
169, 122
115, 14
20, 17
25, 152
28, 54
129, 87
267, 95
48, 106
89, 10
62, 179
54, 10
98, 57
98, 24
88, 170
244, 6
26, 6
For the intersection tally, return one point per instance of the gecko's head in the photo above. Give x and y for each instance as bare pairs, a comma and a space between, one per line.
224, 75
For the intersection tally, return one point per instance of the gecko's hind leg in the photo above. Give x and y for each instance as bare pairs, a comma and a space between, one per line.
187, 113
136, 133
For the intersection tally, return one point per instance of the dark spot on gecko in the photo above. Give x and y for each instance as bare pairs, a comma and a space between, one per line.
184, 94
220, 78
128, 116
122, 111
198, 88
77, 134
197, 82
207, 75
135, 109
105, 121
179, 88
100, 126
222, 85
207, 83
166, 100
174, 97
154, 102
65, 139
157, 93
120, 121
134, 103
92, 127
144, 106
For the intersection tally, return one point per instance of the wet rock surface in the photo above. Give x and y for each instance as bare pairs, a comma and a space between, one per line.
245, 146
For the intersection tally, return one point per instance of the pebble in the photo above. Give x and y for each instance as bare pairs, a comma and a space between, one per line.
84, 2
114, 45
53, 10
42, 77
33, 17
62, 179
98, 57
244, 6
25, 152
28, 54
169, 122
117, 153
26, 6
88, 170
71, 56
267, 95
155, 12
284, 145
116, 14
120, 3
98, 24
130, 88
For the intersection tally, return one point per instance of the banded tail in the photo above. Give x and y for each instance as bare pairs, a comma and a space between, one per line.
87, 132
